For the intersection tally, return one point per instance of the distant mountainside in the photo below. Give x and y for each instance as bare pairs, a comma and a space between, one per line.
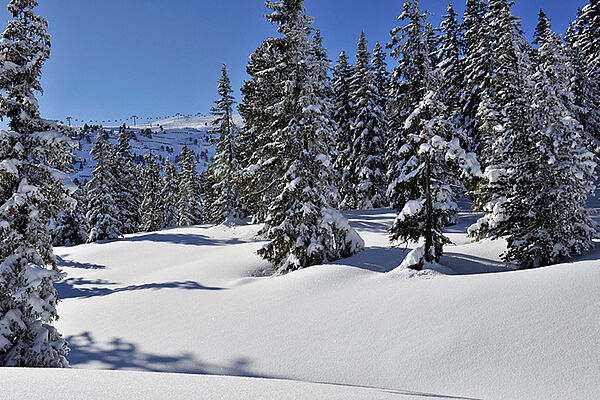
163, 138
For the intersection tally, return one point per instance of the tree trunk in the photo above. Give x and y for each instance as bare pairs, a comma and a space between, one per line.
429, 256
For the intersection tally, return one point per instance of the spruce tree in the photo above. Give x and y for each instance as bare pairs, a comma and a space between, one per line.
543, 216
407, 88
367, 168
303, 229
103, 214
260, 94
151, 208
24, 48
189, 208
32, 191
71, 227
478, 66
168, 194
226, 206
542, 26
381, 76
343, 114
127, 190
450, 61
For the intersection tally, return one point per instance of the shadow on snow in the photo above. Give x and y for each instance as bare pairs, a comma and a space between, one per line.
71, 288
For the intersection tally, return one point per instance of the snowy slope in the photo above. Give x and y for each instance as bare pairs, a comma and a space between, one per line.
110, 385
198, 300
167, 139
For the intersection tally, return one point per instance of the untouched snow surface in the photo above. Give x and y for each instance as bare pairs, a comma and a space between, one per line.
198, 300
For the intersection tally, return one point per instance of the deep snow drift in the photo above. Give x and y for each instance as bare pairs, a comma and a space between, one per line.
198, 300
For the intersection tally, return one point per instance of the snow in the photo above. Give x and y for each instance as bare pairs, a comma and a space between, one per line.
198, 300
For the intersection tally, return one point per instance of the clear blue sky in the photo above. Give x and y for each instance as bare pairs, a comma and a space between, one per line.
114, 58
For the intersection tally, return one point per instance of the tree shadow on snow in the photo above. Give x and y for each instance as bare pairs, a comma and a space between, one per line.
71, 288
183, 239
375, 259
74, 264
119, 354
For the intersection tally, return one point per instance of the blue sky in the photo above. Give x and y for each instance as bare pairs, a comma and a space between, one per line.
115, 58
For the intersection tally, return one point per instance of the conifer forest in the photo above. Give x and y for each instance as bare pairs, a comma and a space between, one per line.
416, 218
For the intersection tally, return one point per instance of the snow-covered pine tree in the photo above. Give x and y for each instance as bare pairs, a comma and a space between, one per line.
189, 208
432, 164
32, 191
381, 76
407, 87
168, 194
343, 114
256, 185
24, 48
28, 267
225, 207
303, 229
544, 218
542, 26
507, 128
450, 61
70, 226
151, 208
367, 157
478, 66
128, 192
584, 58
103, 214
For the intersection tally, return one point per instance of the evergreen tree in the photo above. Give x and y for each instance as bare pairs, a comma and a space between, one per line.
381, 76
189, 209
168, 194
540, 29
127, 190
24, 48
303, 229
28, 267
450, 61
431, 165
103, 214
70, 227
226, 206
152, 204
478, 65
367, 168
584, 57
543, 217
261, 93
407, 88
343, 115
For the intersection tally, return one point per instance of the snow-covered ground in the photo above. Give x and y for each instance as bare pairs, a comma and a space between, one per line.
199, 301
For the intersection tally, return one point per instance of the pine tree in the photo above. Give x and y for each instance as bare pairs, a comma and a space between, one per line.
226, 206
381, 76
24, 48
127, 191
32, 191
540, 29
367, 168
544, 218
168, 194
431, 165
151, 208
260, 94
450, 61
407, 87
343, 115
71, 227
103, 214
584, 57
189, 209
303, 229
478, 65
